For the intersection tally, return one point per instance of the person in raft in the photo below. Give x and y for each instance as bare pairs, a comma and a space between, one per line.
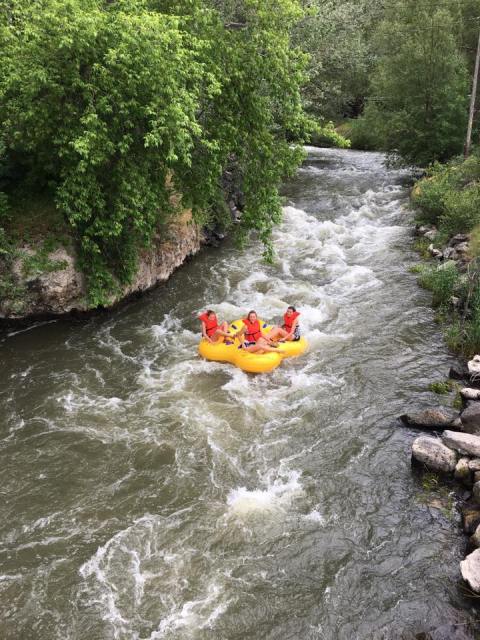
211, 330
252, 338
291, 329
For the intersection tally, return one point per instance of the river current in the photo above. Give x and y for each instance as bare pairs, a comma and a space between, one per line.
147, 494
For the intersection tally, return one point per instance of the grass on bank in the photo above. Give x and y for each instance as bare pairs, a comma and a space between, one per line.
449, 198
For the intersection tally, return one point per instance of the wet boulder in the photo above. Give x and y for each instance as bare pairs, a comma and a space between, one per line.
459, 372
474, 464
476, 492
470, 518
470, 418
431, 453
464, 443
430, 419
463, 473
475, 539
470, 568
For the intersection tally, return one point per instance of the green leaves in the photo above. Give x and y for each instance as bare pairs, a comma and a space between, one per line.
116, 106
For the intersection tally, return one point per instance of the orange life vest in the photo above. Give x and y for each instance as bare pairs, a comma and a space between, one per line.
288, 320
211, 324
253, 330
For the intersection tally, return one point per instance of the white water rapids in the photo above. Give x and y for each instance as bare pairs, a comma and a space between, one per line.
149, 495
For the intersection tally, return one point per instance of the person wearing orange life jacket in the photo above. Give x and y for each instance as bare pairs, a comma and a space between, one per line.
290, 331
252, 338
211, 330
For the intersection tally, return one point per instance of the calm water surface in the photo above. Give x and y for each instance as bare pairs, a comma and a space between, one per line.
147, 494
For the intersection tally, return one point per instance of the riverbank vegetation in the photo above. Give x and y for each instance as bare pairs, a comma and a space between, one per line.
448, 201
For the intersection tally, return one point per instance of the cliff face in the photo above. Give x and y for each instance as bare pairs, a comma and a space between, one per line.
55, 286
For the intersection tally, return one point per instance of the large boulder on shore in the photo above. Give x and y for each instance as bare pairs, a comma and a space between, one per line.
470, 418
470, 568
464, 443
431, 419
433, 454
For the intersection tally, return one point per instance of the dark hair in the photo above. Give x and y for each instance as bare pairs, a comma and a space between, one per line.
292, 308
209, 312
250, 312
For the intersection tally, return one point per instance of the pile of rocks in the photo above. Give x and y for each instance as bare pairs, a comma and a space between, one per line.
456, 453
457, 248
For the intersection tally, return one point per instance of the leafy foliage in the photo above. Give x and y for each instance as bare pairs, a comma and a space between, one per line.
419, 90
449, 196
114, 107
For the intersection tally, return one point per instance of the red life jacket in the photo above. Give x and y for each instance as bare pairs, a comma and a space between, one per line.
288, 320
253, 330
211, 324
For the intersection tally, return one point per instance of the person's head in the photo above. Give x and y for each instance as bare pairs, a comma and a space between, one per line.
290, 310
252, 316
210, 314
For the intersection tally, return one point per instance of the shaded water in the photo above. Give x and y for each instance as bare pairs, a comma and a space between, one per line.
148, 494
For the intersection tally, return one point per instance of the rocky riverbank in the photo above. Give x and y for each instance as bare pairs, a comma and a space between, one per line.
456, 453
50, 283
454, 449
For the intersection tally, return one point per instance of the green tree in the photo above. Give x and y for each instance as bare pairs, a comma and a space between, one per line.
419, 91
337, 36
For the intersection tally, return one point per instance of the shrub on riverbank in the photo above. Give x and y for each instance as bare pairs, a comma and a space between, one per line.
449, 196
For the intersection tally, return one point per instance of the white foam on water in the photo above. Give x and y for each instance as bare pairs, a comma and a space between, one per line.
315, 516
276, 496
143, 562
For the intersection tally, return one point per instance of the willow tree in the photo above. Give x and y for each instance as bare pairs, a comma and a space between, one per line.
101, 103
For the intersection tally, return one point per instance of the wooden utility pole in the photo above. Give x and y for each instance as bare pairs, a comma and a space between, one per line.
468, 141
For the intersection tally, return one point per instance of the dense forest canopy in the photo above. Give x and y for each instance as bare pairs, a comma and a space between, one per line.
110, 107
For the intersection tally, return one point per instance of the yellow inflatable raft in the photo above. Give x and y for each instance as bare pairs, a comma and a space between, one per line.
250, 362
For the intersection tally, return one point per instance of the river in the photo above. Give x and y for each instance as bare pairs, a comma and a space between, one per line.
148, 494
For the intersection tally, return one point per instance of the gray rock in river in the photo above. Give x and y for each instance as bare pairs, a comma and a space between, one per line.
463, 473
475, 539
470, 568
474, 465
430, 419
470, 517
465, 443
433, 454
470, 418
459, 372
476, 492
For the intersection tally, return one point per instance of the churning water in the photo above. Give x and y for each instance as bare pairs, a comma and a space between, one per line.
148, 494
